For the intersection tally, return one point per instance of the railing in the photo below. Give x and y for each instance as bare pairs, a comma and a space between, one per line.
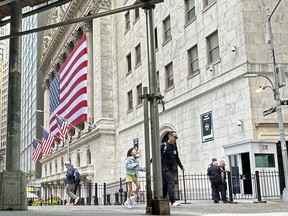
197, 187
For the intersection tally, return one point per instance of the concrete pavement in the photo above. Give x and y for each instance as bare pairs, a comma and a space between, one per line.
196, 208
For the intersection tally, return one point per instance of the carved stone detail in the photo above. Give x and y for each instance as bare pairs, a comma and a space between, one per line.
87, 26
97, 4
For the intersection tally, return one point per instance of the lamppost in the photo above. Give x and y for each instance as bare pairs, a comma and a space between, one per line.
275, 89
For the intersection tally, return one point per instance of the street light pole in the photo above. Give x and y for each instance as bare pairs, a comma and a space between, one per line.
278, 103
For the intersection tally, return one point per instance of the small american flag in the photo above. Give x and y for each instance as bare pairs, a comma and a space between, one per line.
63, 128
37, 150
68, 90
47, 142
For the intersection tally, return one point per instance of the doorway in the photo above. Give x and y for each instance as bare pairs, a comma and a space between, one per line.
246, 173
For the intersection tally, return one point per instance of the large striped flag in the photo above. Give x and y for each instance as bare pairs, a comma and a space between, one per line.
63, 128
37, 150
68, 90
47, 142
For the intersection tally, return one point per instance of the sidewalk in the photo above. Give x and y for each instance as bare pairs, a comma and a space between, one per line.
196, 208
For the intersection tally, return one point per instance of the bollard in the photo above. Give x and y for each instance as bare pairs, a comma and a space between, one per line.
82, 201
116, 199
65, 202
108, 199
121, 192
184, 188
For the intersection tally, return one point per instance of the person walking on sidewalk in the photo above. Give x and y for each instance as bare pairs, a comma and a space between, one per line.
132, 168
70, 182
169, 159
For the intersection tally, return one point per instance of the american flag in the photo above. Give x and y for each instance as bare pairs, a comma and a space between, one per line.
63, 128
37, 150
68, 90
47, 142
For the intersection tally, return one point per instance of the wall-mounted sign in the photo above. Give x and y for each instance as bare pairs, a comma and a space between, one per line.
207, 127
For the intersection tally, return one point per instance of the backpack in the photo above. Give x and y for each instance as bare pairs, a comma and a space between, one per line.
163, 148
77, 176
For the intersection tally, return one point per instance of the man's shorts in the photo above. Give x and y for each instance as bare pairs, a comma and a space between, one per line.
131, 178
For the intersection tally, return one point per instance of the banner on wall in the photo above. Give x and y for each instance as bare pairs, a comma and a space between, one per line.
207, 127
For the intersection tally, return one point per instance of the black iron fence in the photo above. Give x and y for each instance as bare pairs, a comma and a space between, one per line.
187, 187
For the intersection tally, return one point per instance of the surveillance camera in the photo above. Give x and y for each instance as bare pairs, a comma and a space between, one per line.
239, 123
211, 68
233, 49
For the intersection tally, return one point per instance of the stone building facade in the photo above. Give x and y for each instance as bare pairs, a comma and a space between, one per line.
203, 50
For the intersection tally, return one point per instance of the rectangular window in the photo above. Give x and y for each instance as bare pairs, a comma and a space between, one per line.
136, 14
169, 75
167, 29
138, 54
208, 2
190, 9
130, 100
127, 20
213, 47
139, 93
156, 38
264, 160
193, 60
129, 63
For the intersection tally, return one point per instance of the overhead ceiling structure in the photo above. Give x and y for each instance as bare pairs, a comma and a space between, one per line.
5, 7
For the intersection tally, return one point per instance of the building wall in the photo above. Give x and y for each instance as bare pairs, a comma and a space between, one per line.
223, 91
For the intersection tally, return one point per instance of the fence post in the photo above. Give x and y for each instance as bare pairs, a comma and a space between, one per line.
121, 192
96, 195
184, 188
230, 187
90, 194
104, 194
258, 188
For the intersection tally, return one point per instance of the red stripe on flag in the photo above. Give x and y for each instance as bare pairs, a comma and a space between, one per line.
73, 105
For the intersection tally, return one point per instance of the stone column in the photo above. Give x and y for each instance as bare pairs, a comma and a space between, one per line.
46, 86
13, 181
87, 29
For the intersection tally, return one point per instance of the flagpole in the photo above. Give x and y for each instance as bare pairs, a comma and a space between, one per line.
50, 133
65, 120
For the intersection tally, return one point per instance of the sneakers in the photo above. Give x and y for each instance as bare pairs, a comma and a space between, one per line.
175, 204
76, 200
128, 204
134, 200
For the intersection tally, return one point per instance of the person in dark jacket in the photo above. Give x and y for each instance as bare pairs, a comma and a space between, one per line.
70, 182
216, 176
169, 159
224, 183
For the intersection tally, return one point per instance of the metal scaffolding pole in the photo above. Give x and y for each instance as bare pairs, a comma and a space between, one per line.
160, 206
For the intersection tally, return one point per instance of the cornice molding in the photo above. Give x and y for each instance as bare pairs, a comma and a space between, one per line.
99, 4
52, 37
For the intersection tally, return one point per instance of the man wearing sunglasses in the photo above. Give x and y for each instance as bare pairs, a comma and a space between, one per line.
169, 159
